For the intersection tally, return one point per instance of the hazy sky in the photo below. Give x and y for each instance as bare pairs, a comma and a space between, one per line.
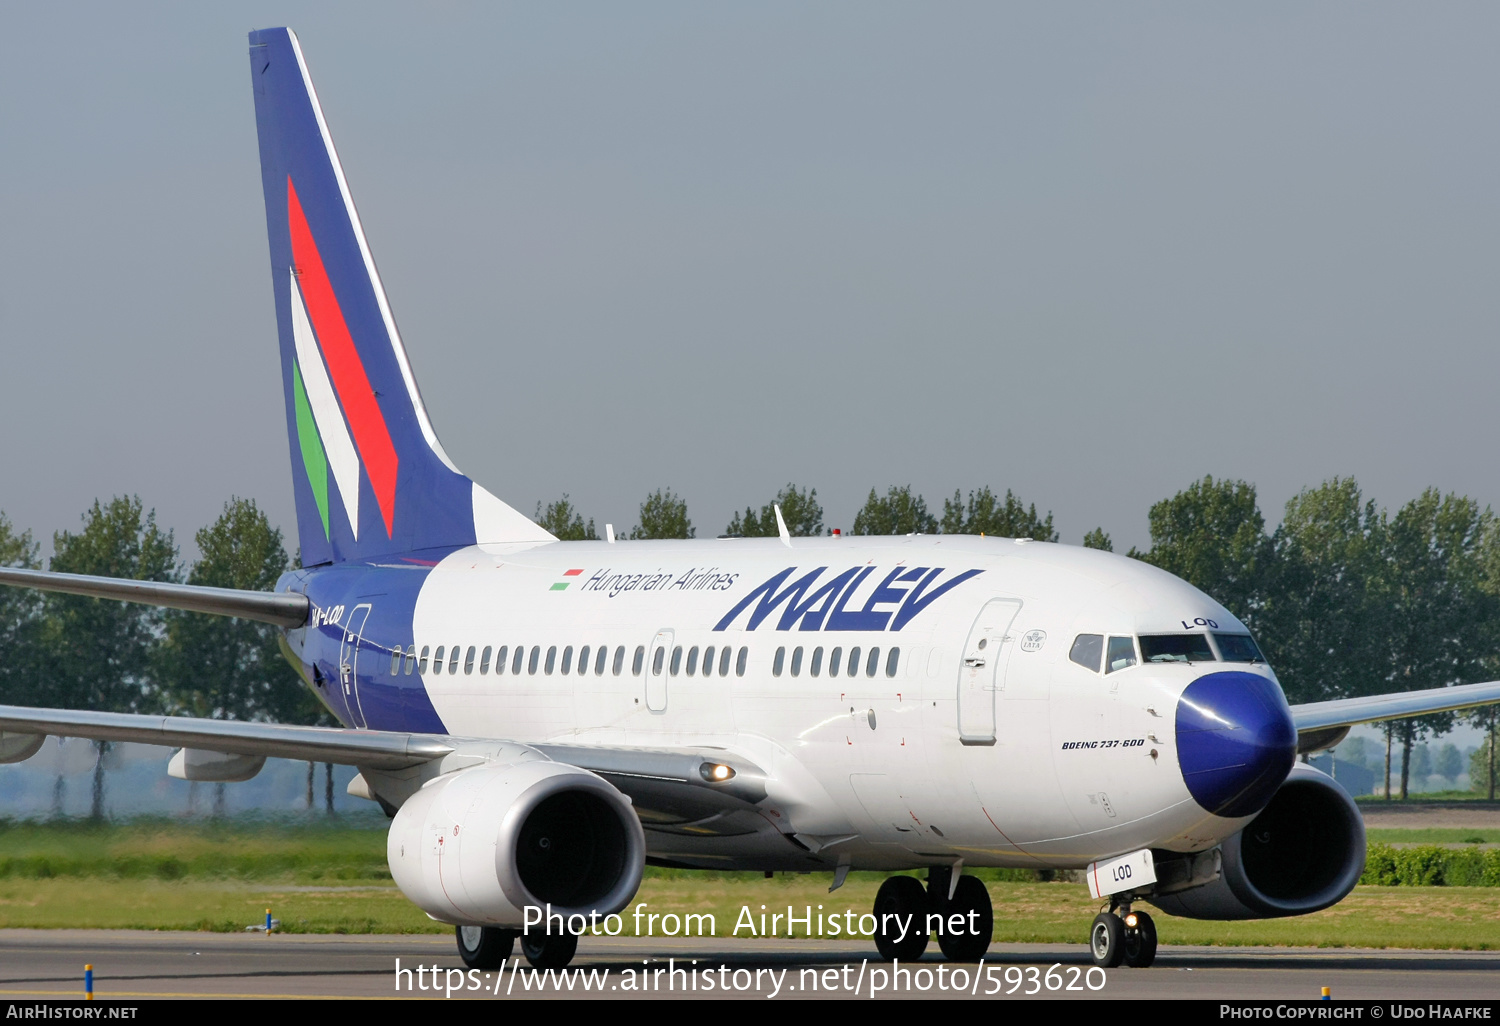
1087, 252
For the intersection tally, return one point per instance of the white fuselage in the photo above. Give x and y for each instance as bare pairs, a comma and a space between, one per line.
1003, 754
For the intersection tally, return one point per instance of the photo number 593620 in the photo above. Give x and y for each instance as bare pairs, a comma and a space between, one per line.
1031, 980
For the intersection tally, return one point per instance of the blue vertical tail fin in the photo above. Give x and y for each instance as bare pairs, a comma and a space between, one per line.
371, 478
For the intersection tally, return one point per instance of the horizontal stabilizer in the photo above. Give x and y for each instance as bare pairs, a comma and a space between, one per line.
282, 609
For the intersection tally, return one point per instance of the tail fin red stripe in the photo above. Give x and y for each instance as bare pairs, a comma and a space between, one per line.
356, 396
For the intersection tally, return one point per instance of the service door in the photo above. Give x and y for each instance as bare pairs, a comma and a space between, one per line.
354, 627
980, 673
658, 668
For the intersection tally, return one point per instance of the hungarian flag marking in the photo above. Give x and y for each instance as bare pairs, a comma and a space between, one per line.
563, 585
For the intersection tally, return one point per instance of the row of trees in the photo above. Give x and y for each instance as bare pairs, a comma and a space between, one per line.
1349, 598
1346, 598
74, 652
67, 651
898, 511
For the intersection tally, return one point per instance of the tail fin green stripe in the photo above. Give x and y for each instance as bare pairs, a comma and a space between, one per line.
313, 458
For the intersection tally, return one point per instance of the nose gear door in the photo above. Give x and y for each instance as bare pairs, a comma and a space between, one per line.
980, 674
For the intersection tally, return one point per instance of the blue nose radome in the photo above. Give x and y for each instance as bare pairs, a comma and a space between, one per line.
1235, 741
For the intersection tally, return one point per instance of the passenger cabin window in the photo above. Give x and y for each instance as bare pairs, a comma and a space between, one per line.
739, 662
854, 661
1238, 648
692, 666
676, 660
484, 659
817, 662
1176, 648
453, 654
469, 660
778, 662
411, 659
515, 663
724, 655
583, 660
833, 661
657, 661
639, 661
422, 659
891, 661
797, 661
872, 662
551, 659
567, 666
1087, 650
708, 661
437, 659
620, 661
1121, 654
500, 658
603, 657
395, 662
536, 656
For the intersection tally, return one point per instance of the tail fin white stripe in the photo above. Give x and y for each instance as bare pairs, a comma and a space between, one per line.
364, 248
325, 409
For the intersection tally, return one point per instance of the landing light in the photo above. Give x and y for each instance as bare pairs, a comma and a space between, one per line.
1132, 920
716, 772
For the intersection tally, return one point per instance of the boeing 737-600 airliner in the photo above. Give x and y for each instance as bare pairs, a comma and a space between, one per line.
541, 719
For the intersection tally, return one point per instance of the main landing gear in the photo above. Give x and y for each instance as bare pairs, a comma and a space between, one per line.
1122, 935
963, 923
485, 947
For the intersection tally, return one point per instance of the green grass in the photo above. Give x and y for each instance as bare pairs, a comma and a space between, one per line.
325, 877
1373, 917
1432, 835
1425, 798
311, 852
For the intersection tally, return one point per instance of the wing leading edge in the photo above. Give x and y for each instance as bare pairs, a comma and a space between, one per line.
675, 783
1322, 725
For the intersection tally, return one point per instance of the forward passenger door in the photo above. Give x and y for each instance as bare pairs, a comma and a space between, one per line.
980, 673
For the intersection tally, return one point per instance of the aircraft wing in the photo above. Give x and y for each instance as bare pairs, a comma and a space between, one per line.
1322, 725
668, 784
373, 748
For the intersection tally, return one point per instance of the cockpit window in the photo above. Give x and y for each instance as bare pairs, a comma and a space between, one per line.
1121, 654
1087, 650
1176, 648
1238, 648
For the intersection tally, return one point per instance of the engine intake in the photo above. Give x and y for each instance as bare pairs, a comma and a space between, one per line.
476, 847
1304, 852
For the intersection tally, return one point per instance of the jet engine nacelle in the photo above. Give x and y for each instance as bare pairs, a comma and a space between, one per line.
1304, 852
477, 846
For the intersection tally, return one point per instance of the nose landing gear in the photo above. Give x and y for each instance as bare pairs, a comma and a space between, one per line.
1122, 935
